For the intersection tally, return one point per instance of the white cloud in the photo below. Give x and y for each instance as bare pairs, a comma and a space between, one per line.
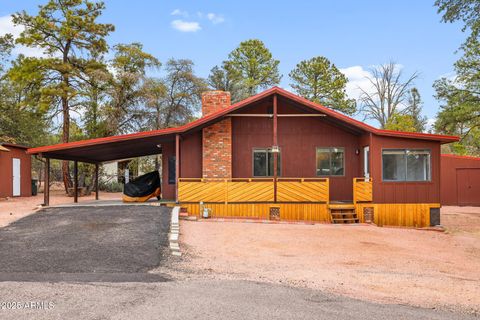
186, 26
215, 18
7, 26
193, 26
178, 12
357, 81
429, 127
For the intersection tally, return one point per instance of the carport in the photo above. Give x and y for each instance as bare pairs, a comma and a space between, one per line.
97, 151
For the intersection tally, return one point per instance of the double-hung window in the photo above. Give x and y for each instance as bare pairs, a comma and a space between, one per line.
406, 165
330, 161
263, 163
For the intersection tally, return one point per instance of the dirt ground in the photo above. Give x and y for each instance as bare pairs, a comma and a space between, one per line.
16, 208
387, 265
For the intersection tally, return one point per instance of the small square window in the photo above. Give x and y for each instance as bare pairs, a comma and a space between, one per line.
330, 161
263, 165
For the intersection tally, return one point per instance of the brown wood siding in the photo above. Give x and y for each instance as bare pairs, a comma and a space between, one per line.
191, 155
453, 168
363, 141
404, 192
298, 139
190, 160
265, 106
248, 133
6, 172
168, 190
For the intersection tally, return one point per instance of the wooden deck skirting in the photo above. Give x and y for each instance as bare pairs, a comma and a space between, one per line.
398, 214
315, 212
298, 200
385, 214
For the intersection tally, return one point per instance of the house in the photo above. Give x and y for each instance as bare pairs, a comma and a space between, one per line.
276, 155
460, 180
15, 171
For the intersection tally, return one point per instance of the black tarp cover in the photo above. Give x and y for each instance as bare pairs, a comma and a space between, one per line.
143, 185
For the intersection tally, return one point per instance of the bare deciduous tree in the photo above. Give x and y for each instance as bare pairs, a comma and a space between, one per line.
183, 92
389, 95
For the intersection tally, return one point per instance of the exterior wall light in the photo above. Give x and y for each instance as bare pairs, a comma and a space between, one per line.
275, 149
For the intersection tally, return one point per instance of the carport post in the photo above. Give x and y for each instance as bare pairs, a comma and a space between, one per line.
96, 181
275, 145
46, 183
75, 181
177, 165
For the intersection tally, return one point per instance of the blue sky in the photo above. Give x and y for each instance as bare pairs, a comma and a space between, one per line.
355, 35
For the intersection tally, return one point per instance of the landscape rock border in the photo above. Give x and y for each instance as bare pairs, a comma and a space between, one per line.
173, 237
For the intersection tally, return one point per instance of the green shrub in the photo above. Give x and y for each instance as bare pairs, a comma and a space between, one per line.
110, 186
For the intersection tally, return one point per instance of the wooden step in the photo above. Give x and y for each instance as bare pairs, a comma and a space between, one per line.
346, 219
341, 206
343, 213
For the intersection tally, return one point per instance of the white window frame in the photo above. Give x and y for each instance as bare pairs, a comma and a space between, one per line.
267, 151
331, 149
405, 152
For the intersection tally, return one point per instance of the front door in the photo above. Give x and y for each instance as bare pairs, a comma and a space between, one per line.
366, 162
16, 177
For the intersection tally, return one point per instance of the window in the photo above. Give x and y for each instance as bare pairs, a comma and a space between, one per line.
172, 168
263, 163
406, 165
330, 161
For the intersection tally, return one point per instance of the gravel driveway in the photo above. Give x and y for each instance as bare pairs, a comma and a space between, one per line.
205, 299
85, 241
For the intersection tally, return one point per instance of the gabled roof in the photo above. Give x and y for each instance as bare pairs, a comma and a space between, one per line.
216, 116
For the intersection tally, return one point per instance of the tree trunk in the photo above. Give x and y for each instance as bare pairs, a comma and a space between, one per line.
67, 180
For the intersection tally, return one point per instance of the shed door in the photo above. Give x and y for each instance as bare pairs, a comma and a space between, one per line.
16, 177
468, 187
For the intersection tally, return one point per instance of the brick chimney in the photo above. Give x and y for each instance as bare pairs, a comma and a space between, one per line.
213, 101
216, 138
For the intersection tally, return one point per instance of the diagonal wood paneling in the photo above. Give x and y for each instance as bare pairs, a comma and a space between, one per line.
247, 190
251, 190
303, 191
362, 190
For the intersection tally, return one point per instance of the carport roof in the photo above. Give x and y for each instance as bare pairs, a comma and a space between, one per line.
148, 142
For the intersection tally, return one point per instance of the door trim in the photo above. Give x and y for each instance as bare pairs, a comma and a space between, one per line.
18, 186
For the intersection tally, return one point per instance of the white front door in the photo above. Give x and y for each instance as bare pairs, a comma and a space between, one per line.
16, 177
366, 162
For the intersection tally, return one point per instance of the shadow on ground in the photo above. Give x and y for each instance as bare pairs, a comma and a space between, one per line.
112, 244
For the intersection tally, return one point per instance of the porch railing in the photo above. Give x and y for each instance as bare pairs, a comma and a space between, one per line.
253, 190
362, 190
